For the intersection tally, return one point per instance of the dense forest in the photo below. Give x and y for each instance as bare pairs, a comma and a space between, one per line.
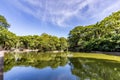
102, 36
43, 42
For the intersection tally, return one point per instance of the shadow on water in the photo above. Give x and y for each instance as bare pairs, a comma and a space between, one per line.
79, 68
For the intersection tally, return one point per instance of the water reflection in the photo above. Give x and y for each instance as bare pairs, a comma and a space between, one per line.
58, 67
95, 69
39, 61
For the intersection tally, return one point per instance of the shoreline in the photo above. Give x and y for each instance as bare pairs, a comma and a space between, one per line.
97, 52
108, 53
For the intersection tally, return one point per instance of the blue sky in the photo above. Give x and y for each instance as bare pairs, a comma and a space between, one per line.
55, 17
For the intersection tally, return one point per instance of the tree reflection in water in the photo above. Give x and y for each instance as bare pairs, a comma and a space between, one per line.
82, 68
39, 61
95, 69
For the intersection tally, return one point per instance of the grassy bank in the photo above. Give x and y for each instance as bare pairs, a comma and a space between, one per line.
96, 56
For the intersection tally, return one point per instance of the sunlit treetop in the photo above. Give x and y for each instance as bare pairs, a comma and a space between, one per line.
3, 22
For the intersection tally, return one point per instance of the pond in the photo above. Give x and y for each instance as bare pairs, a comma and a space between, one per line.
61, 66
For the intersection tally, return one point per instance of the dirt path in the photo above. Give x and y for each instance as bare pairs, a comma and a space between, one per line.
2, 53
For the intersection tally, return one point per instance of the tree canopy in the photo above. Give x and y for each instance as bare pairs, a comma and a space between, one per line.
102, 36
3, 22
44, 42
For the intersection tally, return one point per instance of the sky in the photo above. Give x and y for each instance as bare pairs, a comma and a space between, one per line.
55, 17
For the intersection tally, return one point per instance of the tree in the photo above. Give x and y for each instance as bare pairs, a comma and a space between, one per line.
3, 22
102, 36
63, 43
7, 39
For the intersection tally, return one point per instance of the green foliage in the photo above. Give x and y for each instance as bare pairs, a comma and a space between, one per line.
3, 22
63, 43
45, 42
8, 40
102, 36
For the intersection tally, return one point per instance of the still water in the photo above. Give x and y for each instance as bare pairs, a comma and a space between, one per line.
46, 66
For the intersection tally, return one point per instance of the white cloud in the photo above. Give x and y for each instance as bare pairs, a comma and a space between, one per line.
107, 9
59, 12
